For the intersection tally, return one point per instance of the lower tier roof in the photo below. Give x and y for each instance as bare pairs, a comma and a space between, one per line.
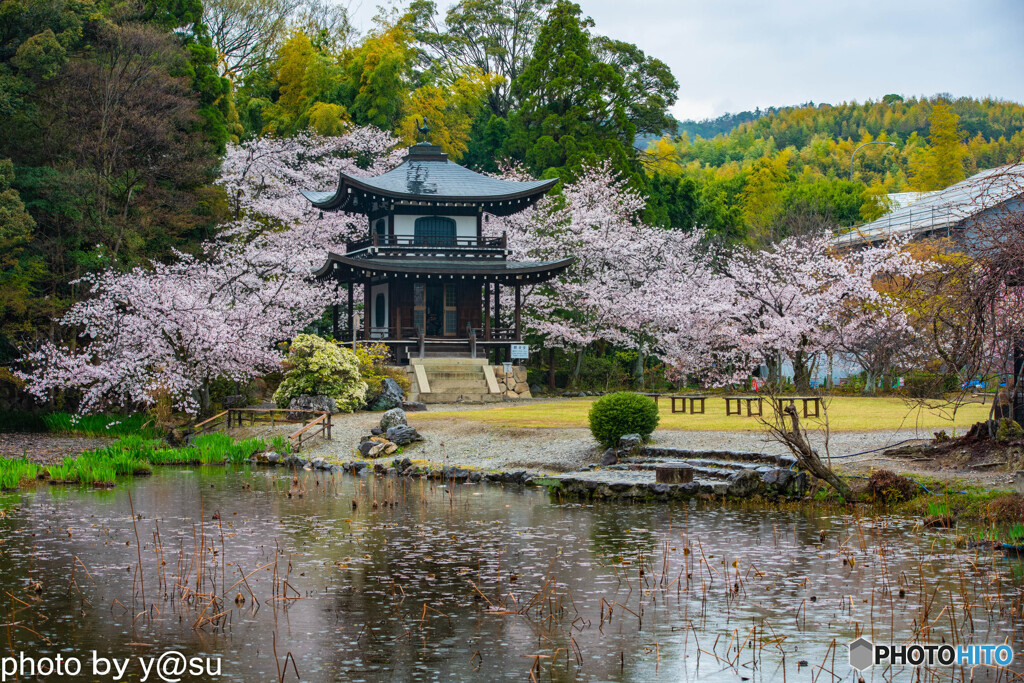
348, 269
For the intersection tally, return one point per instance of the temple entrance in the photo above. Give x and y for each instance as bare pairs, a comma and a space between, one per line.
435, 309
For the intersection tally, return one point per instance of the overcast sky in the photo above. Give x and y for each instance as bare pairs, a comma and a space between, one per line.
733, 55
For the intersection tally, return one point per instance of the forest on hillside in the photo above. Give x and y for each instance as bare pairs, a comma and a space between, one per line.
118, 115
790, 166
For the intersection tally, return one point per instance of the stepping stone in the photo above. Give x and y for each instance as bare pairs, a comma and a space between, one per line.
673, 473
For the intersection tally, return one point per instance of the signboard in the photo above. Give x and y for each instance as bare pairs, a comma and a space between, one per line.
520, 351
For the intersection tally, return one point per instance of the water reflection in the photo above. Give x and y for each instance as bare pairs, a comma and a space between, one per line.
365, 579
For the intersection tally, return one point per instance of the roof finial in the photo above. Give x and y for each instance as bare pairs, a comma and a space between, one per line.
423, 129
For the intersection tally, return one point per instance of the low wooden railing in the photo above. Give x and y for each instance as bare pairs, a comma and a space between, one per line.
457, 242
320, 425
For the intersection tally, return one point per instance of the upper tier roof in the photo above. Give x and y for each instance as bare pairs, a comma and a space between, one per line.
427, 176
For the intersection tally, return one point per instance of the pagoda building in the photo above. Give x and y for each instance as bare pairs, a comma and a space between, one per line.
432, 281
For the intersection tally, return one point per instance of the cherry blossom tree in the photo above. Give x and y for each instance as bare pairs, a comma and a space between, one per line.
643, 288
171, 329
791, 295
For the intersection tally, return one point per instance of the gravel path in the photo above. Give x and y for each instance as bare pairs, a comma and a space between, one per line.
469, 443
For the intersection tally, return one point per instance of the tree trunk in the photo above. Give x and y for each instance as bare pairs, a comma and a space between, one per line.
638, 369
801, 372
869, 383
796, 440
772, 364
576, 370
551, 368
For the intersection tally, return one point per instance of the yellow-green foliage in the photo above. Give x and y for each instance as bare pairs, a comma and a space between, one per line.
317, 366
937, 141
1008, 431
373, 367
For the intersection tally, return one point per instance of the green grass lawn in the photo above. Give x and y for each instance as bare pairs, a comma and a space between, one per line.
849, 414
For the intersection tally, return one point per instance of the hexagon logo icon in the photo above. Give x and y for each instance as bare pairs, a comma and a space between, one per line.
862, 654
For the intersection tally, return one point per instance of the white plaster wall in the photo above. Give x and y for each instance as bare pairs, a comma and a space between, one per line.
465, 226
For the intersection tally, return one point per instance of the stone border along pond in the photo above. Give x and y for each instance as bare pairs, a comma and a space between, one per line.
627, 472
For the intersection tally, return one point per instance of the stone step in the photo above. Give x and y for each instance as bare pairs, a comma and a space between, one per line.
445, 377
451, 362
468, 371
460, 397
448, 386
654, 453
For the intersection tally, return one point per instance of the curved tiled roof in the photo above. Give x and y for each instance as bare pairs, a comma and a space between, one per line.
356, 269
428, 175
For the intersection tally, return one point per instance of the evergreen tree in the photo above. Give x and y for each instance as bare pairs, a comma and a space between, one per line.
573, 112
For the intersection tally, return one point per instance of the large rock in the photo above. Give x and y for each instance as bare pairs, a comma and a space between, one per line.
630, 444
392, 418
778, 478
609, 458
403, 434
536, 389
744, 483
413, 406
311, 402
390, 396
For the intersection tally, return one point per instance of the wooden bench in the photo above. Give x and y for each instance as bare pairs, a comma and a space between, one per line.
807, 401
693, 399
739, 405
654, 396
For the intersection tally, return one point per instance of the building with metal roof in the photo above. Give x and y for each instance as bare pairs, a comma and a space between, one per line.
949, 212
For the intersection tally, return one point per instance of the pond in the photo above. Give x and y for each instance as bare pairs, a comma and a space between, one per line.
334, 577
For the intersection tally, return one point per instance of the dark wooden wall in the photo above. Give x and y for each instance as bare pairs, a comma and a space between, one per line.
469, 303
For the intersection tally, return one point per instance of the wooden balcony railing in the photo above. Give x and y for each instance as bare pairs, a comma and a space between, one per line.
406, 241
411, 334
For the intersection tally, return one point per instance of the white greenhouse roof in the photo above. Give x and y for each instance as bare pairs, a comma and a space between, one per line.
943, 209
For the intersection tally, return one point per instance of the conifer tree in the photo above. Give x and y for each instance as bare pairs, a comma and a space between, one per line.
942, 164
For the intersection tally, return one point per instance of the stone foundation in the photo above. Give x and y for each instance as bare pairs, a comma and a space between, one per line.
514, 384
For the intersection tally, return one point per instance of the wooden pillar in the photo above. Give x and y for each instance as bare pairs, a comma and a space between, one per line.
334, 322
487, 311
351, 312
366, 311
497, 320
497, 306
551, 368
519, 334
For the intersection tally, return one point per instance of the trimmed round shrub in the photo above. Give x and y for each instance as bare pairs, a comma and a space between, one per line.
615, 415
316, 366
